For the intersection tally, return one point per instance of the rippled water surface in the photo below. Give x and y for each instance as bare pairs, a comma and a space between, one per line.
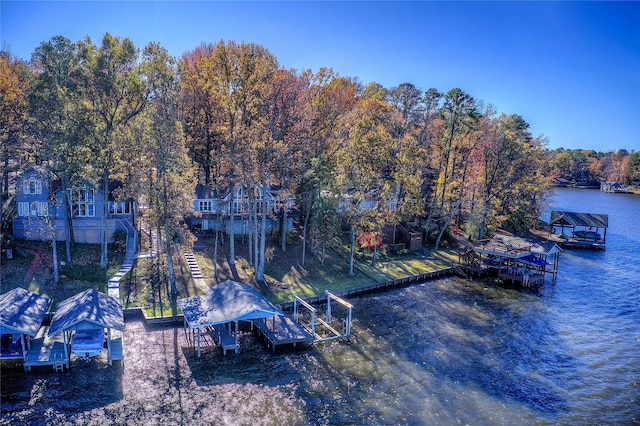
444, 352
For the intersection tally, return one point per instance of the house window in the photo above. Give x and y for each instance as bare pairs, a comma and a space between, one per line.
206, 206
83, 202
120, 207
23, 208
37, 208
43, 209
32, 186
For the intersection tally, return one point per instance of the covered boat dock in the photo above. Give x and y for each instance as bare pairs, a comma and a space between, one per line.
512, 258
84, 320
579, 230
21, 316
217, 314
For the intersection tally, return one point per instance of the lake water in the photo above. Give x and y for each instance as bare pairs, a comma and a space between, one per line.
444, 352
459, 352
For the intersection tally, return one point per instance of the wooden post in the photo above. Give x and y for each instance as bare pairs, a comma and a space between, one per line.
198, 342
328, 307
237, 344
109, 346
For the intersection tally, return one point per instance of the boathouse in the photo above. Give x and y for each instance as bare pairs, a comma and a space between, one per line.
85, 321
217, 314
579, 230
21, 315
512, 259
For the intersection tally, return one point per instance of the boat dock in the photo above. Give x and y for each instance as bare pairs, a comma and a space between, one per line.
46, 350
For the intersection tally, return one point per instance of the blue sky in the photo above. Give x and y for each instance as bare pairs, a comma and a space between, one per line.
570, 69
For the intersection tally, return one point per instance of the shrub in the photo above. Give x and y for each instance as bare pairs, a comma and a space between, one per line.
119, 241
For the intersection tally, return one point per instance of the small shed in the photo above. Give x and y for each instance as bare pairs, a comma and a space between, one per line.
87, 316
580, 229
21, 316
225, 303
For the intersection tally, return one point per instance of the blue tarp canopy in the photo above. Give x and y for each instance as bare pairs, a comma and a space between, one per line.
90, 306
226, 302
22, 311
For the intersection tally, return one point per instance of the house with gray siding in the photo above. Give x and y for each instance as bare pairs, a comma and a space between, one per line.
41, 210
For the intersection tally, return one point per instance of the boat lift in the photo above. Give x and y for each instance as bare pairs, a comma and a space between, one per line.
316, 323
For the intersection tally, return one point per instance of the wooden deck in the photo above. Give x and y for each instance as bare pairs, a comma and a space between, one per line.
582, 243
526, 279
282, 331
223, 338
117, 348
46, 351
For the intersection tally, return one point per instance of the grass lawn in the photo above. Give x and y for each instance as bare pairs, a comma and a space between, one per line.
35, 273
284, 273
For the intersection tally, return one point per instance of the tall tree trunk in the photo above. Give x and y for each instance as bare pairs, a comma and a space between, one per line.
167, 237
232, 236
353, 250
105, 211
446, 162
54, 244
255, 233
68, 219
283, 237
444, 226
307, 214
215, 256
260, 264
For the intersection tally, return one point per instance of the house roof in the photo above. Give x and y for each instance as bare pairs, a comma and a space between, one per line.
562, 180
515, 247
89, 306
579, 219
228, 301
22, 311
205, 192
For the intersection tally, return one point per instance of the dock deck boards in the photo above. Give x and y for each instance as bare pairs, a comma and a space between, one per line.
285, 331
117, 348
46, 350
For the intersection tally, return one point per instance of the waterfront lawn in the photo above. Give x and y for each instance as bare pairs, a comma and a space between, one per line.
285, 276
333, 275
35, 273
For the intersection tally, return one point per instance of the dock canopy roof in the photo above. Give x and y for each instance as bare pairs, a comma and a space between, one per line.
226, 302
22, 311
579, 219
90, 306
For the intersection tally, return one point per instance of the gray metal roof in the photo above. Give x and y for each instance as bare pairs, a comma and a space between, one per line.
579, 219
22, 311
89, 306
228, 301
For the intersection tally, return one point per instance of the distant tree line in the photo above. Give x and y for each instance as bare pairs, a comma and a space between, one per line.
588, 167
227, 115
